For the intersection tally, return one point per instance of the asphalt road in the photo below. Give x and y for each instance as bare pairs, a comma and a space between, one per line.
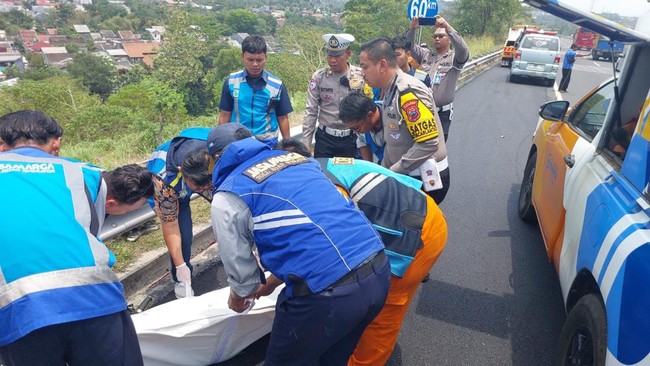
493, 298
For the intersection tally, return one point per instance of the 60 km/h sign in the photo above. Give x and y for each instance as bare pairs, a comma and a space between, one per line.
426, 10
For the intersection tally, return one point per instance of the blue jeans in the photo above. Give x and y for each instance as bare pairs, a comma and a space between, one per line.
325, 327
185, 225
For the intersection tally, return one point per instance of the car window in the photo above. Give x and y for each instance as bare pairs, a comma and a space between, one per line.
541, 43
589, 116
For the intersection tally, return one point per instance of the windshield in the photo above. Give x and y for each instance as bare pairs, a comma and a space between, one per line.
541, 43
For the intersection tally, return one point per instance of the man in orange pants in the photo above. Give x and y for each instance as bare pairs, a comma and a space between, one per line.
412, 227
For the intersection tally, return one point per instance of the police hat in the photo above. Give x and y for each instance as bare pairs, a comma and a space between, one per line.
223, 135
337, 44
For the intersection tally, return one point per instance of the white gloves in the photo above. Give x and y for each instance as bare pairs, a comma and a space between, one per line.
183, 273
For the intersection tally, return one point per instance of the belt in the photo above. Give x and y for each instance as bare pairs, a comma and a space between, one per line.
335, 132
446, 107
365, 269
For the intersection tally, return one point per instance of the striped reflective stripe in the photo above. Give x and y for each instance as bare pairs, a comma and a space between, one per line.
282, 223
3, 281
338, 252
275, 215
234, 80
53, 280
162, 156
365, 185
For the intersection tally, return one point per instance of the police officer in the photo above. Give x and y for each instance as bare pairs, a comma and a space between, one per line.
403, 53
329, 257
172, 201
327, 88
59, 300
414, 144
443, 64
254, 97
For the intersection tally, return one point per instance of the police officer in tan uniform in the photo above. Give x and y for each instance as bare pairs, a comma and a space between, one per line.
442, 64
414, 144
328, 86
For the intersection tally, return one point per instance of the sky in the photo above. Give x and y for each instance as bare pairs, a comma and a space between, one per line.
623, 7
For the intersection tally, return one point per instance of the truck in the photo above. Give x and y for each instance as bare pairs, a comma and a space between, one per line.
586, 185
585, 38
607, 49
509, 48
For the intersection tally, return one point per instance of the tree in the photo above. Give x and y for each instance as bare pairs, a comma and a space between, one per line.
363, 17
17, 18
486, 17
96, 73
245, 21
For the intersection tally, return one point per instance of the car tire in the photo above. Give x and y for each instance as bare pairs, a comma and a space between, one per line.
583, 340
513, 78
525, 207
550, 82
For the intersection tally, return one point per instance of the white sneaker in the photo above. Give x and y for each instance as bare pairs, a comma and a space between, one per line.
180, 291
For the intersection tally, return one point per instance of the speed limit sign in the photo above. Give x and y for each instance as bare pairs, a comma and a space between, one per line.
426, 10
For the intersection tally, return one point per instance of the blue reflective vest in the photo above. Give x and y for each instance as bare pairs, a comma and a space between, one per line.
392, 202
304, 229
162, 160
255, 110
53, 268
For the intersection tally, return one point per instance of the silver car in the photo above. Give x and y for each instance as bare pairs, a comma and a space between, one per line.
537, 56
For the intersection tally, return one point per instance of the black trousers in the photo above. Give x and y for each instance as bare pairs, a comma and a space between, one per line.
445, 121
108, 340
566, 77
328, 146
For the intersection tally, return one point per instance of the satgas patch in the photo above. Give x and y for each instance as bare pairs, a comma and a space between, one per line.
312, 85
342, 161
266, 168
420, 120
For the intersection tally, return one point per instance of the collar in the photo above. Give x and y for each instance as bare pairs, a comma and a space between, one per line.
264, 76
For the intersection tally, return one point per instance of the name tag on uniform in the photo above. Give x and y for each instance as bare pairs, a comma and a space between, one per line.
437, 78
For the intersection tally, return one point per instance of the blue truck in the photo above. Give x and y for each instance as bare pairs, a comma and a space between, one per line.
604, 50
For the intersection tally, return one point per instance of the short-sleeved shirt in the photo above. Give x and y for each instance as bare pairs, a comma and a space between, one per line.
227, 102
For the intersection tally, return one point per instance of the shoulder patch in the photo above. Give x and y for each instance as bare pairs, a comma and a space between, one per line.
420, 120
342, 161
312, 85
266, 168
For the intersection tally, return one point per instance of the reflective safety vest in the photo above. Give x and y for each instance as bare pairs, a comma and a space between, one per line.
162, 159
392, 202
304, 229
255, 110
53, 268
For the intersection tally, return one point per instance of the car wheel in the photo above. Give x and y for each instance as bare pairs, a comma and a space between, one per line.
550, 82
584, 336
513, 78
525, 207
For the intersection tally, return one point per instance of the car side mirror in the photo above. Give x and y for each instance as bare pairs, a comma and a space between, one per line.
554, 110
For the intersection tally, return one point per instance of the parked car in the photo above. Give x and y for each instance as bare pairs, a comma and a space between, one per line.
537, 56
587, 185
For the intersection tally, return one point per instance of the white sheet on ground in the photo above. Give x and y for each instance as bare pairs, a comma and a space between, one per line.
201, 330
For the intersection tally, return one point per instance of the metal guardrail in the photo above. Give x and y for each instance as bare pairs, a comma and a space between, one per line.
116, 225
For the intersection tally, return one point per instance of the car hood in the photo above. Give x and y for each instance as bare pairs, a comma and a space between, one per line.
598, 24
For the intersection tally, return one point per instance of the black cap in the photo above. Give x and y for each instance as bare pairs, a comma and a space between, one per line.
223, 135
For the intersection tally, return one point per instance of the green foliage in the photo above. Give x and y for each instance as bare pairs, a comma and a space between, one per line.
103, 10
61, 97
486, 17
105, 122
245, 21
96, 73
367, 19
12, 72
72, 48
16, 18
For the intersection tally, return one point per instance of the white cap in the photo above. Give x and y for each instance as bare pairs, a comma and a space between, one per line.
337, 44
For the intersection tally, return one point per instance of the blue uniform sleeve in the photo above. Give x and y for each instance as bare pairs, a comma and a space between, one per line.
284, 107
227, 103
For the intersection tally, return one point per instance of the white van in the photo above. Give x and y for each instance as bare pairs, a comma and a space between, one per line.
537, 56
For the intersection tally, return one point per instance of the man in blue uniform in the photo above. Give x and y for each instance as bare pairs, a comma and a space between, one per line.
60, 303
172, 202
254, 97
328, 256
